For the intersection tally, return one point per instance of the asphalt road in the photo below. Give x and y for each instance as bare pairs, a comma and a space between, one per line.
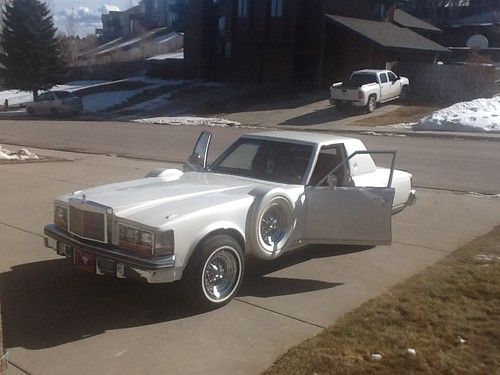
439, 163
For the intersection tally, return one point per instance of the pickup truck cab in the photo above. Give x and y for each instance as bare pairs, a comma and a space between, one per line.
268, 193
367, 87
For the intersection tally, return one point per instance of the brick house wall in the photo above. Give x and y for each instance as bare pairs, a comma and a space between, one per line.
297, 48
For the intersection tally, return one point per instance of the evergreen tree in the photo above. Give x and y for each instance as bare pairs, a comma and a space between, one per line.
31, 55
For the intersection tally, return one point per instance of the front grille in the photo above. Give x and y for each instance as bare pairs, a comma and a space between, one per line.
87, 224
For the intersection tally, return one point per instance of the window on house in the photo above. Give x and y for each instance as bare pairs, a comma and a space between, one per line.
242, 8
276, 8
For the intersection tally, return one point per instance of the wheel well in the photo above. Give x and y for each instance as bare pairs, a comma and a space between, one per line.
374, 95
229, 232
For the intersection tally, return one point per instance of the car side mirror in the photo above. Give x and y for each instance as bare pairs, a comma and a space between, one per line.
332, 182
198, 159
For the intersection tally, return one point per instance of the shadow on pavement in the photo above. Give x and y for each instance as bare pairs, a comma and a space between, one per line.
322, 116
257, 284
49, 303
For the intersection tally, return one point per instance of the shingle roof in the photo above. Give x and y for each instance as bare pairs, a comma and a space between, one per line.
407, 20
387, 35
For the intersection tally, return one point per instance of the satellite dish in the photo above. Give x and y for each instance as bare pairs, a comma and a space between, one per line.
478, 41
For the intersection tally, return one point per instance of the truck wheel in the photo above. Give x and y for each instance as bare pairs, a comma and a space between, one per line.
215, 272
404, 94
372, 104
270, 224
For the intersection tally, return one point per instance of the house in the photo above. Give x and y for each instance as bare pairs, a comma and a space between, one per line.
147, 15
302, 42
462, 20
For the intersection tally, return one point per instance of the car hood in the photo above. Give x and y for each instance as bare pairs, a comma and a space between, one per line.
154, 200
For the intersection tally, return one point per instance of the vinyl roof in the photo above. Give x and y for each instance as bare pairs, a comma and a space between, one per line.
407, 20
386, 34
301, 136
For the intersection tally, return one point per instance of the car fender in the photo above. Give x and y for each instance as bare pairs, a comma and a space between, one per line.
218, 227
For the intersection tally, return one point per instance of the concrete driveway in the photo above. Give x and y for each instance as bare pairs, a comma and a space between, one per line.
58, 320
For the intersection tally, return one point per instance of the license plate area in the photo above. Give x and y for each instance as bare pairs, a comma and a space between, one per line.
85, 261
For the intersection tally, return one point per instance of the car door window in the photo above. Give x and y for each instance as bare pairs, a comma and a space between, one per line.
328, 158
383, 78
392, 77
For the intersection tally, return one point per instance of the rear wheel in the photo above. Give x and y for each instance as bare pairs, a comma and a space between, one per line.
404, 94
372, 104
215, 271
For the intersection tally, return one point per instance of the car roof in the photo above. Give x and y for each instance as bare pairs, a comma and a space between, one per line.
371, 71
301, 137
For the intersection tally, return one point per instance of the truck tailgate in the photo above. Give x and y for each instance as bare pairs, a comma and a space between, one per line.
339, 93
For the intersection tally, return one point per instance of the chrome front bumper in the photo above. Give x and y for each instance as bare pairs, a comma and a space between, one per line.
108, 260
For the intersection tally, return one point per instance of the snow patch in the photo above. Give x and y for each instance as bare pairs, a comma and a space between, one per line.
104, 100
486, 258
478, 115
22, 154
189, 121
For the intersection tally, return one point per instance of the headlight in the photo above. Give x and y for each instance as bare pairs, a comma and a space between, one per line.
61, 216
142, 241
164, 243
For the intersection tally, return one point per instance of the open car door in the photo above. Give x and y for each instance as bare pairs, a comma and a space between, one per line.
349, 215
198, 159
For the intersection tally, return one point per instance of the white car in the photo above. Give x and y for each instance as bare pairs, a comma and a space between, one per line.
368, 87
55, 103
270, 192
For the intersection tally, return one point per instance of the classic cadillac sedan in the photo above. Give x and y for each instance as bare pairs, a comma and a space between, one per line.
270, 192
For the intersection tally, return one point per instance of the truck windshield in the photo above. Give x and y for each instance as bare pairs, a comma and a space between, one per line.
265, 160
360, 79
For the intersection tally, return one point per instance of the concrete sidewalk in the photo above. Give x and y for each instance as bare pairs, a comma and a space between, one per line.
58, 320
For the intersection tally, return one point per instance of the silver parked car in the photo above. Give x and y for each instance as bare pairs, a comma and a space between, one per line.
55, 103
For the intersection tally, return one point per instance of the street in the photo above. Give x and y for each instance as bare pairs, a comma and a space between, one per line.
58, 320
440, 163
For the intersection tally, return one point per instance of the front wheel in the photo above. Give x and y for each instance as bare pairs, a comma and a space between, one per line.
215, 272
403, 97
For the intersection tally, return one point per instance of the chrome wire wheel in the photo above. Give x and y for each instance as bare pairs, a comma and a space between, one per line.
221, 274
273, 225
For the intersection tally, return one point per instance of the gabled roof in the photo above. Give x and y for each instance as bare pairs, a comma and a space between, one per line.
387, 35
407, 20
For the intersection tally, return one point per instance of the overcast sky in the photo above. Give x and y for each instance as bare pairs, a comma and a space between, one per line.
87, 12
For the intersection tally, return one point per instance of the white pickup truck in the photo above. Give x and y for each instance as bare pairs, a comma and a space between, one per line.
366, 88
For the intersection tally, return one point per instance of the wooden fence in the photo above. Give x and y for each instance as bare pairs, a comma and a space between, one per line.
455, 82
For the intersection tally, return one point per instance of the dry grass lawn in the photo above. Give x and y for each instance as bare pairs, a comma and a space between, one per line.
404, 114
450, 315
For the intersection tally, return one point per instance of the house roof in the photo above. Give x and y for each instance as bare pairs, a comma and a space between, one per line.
407, 20
387, 35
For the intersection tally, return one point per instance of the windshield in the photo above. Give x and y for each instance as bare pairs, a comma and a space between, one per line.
360, 79
265, 160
